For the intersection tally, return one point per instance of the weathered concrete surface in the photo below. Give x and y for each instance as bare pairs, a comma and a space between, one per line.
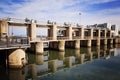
39, 48
17, 59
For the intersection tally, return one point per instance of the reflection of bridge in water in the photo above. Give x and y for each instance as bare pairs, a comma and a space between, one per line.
44, 65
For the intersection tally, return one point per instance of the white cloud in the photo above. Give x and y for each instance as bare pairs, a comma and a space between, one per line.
59, 11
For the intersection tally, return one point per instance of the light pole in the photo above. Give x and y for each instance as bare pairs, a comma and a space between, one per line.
80, 18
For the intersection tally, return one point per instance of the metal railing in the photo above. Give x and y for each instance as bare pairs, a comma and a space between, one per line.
14, 41
45, 38
76, 37
62, 38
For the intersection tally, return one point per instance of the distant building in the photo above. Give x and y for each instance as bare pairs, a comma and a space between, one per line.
114, 28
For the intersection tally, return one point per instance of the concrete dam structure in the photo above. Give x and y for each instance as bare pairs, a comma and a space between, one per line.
58, 38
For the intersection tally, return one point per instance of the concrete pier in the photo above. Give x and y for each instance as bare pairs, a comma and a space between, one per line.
17, 59
61, 45
89, 43
105, 41
77, 44
39, 48
98, 42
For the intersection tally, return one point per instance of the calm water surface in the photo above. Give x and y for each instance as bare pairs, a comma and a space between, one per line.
96, 63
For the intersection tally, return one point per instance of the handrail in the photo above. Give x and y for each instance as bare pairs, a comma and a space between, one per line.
62, 38
14, 41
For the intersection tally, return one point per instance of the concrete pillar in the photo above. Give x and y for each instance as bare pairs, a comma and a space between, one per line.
77, 44
91, 33
98, 42
39, 48
3, 29
32, 31
53, 32
81, 33
53, 65
110, 33
105, 41
89, 43
61, 55
69, 32
17, 59
99, 32
40, 59
61, 45
105, 33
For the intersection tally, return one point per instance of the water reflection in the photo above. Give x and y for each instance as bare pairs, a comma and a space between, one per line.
53, 61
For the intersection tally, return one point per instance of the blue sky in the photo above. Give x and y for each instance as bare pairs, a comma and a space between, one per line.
92, 11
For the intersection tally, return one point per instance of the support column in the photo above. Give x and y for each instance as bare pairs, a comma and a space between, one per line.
61, 46
105, 33
81, 33
89, 43
39, 48
110, 34
53, 32
32, 31
77, 44
105, 41
98, 42
91, 33
3, 29
99, 31
69, 32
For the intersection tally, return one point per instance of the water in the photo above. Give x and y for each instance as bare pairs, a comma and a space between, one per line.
96, 63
